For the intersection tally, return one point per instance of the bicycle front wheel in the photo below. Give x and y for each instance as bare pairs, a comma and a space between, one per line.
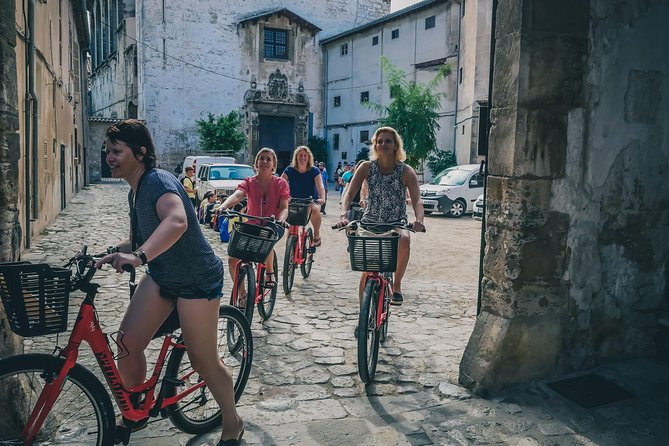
198, 412
82, 413
368, 333
268, 298
289, 264
305, 267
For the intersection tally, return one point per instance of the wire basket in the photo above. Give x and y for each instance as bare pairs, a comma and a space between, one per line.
35, 297
250, 242
298, 214
373, 253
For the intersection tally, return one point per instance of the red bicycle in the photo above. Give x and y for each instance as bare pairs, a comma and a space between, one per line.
251, 244
300, 248
373, 250
52, 398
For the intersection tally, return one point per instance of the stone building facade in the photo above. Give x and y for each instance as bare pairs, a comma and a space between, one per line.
42, 120
195, 57
577, 247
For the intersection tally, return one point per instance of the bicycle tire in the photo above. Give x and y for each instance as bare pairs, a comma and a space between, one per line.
83, 407
184, 414
268, 298
289, 264
305, 268
245, 279
368, 333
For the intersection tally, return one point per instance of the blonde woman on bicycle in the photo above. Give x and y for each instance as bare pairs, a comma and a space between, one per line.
388, 180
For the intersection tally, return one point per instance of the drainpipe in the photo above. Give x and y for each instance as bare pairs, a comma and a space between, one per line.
30, 104
324, 97
457, 79
35, 110
486, 167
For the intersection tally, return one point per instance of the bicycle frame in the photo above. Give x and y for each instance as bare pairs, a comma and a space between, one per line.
301, 233
383, 282
87, 328
260, 278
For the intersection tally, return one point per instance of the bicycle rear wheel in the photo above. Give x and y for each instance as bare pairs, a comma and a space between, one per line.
268, 298
368, 333
82, 413
289, 264
305, 268
198, 412
245, 286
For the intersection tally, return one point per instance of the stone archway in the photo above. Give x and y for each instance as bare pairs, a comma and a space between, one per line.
276, 101
575, 268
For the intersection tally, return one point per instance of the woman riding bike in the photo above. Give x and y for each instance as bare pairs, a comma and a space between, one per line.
267, 196
388, 180
165, 234
305, 181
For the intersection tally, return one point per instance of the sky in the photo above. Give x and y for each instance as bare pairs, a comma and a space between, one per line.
399, 4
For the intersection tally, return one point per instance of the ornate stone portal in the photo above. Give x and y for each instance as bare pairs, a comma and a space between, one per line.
277, 100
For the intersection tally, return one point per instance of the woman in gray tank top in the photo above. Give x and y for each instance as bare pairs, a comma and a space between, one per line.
388, 180
182, 269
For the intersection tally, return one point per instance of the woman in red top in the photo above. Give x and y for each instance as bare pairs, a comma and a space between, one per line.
266, 196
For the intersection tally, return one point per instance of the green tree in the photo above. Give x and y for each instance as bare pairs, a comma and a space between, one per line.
440, 160
363, 154
319, 147
413, 111
221, 134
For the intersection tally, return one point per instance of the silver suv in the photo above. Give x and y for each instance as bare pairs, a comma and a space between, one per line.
221, 179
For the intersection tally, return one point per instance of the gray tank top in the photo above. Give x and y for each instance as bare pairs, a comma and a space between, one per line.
189, 268
386, 201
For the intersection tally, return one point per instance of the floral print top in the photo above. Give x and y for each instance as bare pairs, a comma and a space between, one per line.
386, 201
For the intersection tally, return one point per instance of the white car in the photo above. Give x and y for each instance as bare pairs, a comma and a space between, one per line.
477, 212
196, 161
454, 192
221, 179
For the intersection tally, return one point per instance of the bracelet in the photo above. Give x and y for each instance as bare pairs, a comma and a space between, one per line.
140, 254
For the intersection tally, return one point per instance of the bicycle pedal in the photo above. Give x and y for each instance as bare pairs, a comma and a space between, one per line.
174, 381
311, 250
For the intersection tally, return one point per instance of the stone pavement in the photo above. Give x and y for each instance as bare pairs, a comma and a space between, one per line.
304, 388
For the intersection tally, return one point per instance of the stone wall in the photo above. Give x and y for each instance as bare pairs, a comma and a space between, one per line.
10, 230
576, 259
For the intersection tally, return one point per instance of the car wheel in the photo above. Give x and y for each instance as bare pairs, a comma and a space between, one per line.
457, 209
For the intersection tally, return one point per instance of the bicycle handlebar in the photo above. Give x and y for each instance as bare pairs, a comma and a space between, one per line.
309, 200
229, 213
85, 266
372, 225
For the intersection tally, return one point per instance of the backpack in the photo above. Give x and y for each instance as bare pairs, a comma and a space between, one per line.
224, 230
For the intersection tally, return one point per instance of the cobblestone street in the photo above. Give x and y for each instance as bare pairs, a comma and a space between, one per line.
304, 388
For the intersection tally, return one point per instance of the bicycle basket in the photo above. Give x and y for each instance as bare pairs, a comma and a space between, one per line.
298, 214
250, 242
35, 297
373, 253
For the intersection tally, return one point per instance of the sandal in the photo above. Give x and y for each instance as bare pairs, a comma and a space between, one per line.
317, 242
270, 280
233, 441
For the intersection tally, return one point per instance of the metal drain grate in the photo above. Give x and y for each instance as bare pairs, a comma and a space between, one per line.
590, 390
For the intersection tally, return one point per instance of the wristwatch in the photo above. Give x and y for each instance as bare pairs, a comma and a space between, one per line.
140, 254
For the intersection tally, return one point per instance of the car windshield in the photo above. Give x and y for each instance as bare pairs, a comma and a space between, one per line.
230, 172
454, 177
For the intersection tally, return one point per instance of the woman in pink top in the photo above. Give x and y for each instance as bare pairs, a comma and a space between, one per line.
266, 196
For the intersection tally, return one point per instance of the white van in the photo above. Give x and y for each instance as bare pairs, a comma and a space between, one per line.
198, 160
455, 192
221, 179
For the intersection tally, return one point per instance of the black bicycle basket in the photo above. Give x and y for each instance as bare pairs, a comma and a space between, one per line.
373, 253
298, 214
250, 242
35, 297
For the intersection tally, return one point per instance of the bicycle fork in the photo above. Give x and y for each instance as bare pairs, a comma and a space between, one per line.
381, 315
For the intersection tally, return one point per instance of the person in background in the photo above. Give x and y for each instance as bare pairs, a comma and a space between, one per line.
324, 177
337, 174
206, 207
165, 232
305, 181
189, 185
